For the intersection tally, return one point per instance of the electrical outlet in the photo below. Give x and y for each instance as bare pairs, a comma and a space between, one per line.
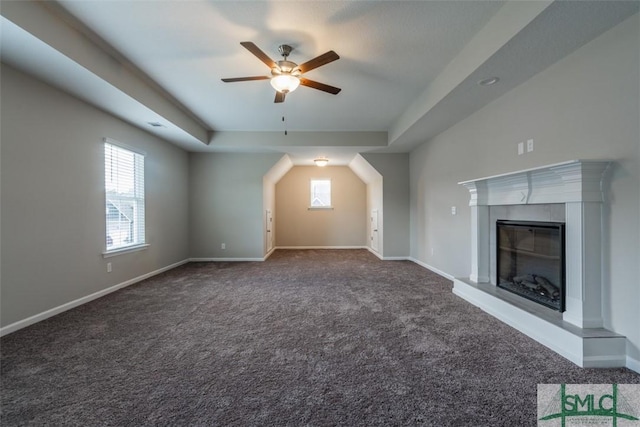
454, 210
520, 148
223, 246
529, 145
108, 267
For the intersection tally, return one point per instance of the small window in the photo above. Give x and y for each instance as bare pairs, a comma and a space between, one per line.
320, 193
124, 202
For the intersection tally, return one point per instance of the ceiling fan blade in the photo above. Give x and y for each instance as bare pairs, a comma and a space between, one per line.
318, 61
320, 86
251, 47
245, 79
279, 97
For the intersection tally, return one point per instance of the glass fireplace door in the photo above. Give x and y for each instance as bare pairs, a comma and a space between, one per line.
530, 260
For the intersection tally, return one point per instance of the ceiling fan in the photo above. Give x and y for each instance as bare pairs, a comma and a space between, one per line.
286, 76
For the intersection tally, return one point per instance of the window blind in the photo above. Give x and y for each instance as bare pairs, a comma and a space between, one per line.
124, 202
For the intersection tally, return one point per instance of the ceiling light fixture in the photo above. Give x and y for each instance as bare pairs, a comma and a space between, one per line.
285, 83
489, 81
322, 161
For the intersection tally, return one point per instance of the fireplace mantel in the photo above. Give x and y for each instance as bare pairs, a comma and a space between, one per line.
579, 185
572, 181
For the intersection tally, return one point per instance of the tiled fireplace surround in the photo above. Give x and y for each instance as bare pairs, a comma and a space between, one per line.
570, 192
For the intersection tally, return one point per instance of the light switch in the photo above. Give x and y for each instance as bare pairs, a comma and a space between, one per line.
520, 148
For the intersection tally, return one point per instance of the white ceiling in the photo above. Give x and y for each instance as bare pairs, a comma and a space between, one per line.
389, 51
408, 69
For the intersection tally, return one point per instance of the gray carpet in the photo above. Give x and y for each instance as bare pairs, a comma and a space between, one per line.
307, 338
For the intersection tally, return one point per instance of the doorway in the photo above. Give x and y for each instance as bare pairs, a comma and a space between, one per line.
374, 230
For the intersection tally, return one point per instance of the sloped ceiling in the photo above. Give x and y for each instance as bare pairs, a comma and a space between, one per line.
408, 69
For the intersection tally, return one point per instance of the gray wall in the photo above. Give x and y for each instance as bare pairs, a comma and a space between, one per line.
583, 107
226, 204
394, 169
53, 212
344, 225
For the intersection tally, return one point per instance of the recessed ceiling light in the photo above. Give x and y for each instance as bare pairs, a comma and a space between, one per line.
489, 81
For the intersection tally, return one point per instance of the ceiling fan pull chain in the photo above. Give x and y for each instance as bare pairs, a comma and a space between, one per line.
284, 107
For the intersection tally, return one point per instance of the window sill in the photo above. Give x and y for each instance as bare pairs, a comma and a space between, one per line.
320, 208
125, 250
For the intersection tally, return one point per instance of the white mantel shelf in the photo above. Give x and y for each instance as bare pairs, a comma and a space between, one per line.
571, 181
579, 185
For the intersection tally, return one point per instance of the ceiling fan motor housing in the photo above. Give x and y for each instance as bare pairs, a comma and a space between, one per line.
285, 67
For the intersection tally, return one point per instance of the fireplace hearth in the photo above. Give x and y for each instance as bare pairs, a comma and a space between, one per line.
530, 260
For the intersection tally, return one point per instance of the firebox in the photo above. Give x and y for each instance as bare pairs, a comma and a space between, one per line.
531, 262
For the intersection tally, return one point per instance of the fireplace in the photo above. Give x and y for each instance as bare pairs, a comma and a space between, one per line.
573, 195
530, 261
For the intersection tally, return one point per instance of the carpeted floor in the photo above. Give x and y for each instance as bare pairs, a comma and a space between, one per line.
332, 337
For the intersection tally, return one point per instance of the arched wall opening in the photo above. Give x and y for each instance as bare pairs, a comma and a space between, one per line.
381, 180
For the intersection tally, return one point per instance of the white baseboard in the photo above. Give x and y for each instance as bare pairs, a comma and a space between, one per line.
75, 303
269, 254
322, 247
374, 252
428, 267
633, 364
387, 258
227, 259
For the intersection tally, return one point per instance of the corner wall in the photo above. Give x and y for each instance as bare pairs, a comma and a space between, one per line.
226, 204
394, 169
373, 180
52, 200
586, 106
269, 182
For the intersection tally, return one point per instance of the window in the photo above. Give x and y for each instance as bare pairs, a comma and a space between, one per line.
320, 193
124, 189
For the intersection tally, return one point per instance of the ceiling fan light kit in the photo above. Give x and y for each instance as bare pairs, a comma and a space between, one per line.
285, 83
286, 75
